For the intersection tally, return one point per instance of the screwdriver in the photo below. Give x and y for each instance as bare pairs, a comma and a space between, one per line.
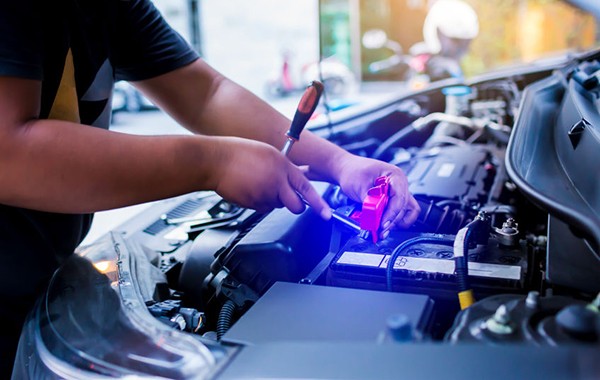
306, 107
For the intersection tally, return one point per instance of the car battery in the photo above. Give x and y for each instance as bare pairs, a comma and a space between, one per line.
427, 267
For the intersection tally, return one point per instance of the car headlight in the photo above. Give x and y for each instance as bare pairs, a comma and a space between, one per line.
94, 325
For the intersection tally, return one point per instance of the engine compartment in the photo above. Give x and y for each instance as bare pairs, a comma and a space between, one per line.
223, 266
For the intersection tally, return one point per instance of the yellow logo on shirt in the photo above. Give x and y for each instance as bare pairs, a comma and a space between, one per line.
66, 106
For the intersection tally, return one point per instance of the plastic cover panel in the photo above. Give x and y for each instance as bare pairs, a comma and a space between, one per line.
349, 361
559, 171
298, 312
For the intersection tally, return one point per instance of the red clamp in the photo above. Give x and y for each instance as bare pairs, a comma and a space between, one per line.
373, 207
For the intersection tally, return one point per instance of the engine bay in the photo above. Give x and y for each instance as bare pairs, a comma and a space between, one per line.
487, 261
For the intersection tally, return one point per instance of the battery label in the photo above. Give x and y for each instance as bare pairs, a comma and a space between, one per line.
361, 259
419, 264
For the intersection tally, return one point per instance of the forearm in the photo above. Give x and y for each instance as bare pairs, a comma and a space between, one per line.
65, 167
205, 102
257, 120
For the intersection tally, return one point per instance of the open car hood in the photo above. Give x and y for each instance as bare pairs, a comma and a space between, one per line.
552, 157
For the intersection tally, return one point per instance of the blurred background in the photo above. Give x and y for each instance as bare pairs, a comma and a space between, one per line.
248, 41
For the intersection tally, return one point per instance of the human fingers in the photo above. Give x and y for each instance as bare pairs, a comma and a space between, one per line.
291, 200
398, 198
261, 187
305, 169
390, 222
307, 193
412, 210
405, 218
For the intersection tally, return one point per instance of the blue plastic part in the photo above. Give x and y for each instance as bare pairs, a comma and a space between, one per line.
457, 90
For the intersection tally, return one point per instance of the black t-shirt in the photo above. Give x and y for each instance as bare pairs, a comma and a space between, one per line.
77, 48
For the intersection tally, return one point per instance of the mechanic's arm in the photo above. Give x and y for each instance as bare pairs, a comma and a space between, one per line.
59, 166
229, 109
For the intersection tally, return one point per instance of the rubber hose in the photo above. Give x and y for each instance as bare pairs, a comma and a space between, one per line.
225, 318
394, 139
462, 274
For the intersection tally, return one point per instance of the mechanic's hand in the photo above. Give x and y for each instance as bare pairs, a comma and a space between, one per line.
256, 175
358, 174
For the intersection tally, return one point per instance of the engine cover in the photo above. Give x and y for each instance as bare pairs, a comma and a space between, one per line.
458, 173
